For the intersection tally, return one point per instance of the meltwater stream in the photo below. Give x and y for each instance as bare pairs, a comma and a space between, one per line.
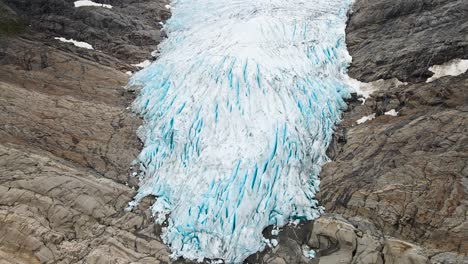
239, 110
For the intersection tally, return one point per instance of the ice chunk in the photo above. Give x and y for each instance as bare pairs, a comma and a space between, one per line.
452, 68
274, 242
90, 3
275, 231
307, 252
76, 43
238, 111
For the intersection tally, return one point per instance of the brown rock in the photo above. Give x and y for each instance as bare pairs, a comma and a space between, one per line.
67, 141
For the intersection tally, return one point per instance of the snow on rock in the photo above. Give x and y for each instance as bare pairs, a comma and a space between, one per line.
239, 110
143, 64
391, 112
452, 68
366, 89
365, 119
76, 43
168, 6
90, 3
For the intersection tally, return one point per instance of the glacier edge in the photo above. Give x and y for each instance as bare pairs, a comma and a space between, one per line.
238, 113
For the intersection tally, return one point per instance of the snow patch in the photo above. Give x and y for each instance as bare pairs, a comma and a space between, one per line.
365, 119
90, 3
452, 68
391, 112
80, 44
366, 89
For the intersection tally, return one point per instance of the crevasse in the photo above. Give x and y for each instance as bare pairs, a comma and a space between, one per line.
238, 113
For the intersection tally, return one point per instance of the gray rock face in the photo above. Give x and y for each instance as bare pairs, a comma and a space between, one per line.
400, 181
406, 173
129, 31
403, 38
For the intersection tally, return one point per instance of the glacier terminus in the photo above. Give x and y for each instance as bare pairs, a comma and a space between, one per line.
238, 111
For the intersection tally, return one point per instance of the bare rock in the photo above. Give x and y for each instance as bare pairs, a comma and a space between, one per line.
403, 38
67, 141
401, 180
333, 236
400, 252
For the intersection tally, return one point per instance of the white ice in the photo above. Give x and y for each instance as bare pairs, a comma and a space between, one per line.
365, 119
90, 3
76, 43
452, 68
142, 64
238, 111
391, 112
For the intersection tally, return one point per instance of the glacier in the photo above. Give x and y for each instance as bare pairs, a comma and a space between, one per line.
238, 112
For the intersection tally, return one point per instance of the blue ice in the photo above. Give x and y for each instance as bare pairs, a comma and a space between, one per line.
238, 113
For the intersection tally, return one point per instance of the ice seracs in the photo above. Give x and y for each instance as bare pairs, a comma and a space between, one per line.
90, 3
80, 44
239, 110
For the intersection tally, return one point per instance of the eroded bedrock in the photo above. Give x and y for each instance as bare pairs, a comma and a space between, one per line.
66, 137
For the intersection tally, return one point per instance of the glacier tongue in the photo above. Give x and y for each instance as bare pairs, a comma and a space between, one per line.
239, 110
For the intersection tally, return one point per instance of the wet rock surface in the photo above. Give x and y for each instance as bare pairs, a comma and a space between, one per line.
395, 191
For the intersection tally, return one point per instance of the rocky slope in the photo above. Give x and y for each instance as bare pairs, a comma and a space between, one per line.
399, 183
394, 193
66, 137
